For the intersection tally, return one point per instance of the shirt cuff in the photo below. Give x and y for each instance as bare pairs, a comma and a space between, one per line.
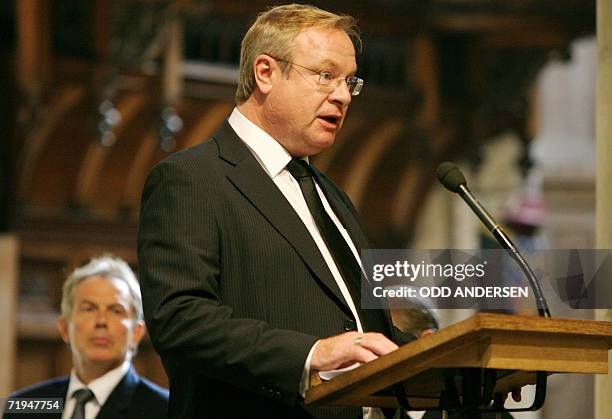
305, 380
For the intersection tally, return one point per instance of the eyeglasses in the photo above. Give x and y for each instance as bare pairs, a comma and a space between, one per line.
327, 83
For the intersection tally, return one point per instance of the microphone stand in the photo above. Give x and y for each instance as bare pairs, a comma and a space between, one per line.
503, 239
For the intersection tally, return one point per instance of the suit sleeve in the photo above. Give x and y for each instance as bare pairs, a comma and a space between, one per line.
179, 263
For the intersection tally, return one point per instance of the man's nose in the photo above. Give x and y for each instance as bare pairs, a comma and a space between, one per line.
101, 318
341, 94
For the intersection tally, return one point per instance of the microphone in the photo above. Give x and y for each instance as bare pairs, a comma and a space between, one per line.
451, 177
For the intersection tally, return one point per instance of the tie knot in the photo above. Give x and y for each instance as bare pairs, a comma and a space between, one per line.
83, 395
299, 169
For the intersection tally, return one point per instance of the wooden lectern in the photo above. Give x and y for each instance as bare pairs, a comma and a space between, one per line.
470, 362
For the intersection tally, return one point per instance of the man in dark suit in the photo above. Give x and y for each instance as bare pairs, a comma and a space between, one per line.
102, 321
248, 256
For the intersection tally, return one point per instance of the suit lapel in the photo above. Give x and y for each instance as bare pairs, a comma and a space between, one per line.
247, 175
60, 391
118, 402
56, 390
60, 388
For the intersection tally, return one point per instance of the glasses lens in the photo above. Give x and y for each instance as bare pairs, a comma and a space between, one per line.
354, 85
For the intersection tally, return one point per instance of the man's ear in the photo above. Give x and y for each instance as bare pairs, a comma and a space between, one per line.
62, 326
138, 333
264, 68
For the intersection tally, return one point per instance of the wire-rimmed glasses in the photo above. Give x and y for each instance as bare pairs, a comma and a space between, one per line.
327, 82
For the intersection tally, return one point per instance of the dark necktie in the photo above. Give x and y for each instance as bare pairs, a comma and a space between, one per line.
82, 396
338, 247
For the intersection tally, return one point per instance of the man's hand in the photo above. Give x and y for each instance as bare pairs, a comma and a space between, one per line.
343, 350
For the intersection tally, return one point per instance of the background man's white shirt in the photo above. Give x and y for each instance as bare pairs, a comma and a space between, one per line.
101, 387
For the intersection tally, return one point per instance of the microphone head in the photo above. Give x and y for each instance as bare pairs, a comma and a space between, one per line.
450, 176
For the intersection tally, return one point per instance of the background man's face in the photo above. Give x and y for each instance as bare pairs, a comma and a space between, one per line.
102, 325
304, 119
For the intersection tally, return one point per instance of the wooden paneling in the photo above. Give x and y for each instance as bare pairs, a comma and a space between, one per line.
9, 257
34, 46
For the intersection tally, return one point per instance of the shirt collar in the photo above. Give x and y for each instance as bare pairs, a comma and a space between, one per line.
272, 156
102, 386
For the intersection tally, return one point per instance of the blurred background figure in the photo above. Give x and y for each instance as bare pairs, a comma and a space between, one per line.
102, 322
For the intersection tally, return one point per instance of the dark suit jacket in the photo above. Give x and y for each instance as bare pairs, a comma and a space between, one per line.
235, 290
133, 398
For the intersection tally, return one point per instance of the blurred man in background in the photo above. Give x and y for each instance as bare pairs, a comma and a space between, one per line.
102, 322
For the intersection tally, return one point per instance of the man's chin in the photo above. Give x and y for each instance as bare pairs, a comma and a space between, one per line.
321, 143
102, 357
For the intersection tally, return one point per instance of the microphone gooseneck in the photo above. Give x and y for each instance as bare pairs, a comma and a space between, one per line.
451, 177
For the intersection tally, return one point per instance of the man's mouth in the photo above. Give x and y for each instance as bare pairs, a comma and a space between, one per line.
100, 341
330, 120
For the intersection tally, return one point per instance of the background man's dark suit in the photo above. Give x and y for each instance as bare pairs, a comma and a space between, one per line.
234, 287
133, 398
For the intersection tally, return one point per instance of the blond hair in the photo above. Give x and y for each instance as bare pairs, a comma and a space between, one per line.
273, 33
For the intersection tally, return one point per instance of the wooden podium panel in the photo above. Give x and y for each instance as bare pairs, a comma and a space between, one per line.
516, 346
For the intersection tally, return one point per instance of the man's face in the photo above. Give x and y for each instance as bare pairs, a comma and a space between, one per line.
302, 117
102, 326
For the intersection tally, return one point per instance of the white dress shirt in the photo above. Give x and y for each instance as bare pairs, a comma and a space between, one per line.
101, 387
273, 158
